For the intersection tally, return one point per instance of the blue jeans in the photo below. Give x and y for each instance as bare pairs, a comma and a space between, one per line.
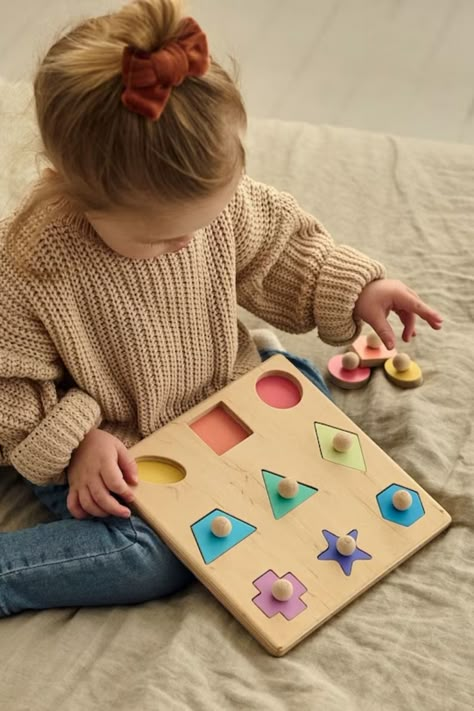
90, 562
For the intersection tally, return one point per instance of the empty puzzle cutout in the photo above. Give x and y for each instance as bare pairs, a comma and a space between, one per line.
211, 545
279, 390
220, 429
281, 505
159, 471
266, 601
353, 458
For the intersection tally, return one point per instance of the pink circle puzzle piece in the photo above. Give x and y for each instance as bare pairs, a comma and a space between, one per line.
270, 605
349, 379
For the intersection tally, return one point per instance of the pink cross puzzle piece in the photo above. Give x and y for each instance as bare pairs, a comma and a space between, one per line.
269, 605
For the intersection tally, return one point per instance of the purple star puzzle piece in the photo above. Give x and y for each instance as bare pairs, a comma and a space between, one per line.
269, 605
345, 561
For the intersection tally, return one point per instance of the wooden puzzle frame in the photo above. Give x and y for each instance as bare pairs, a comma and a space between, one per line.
283, 442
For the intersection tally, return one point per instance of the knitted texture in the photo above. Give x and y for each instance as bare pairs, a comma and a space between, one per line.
91, 338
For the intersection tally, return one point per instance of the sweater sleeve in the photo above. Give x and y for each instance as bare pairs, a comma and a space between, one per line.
290, 272
40, 425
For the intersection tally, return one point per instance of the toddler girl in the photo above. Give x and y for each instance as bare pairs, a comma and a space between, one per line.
119, 283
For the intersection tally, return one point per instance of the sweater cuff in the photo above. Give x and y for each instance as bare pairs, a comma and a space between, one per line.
343, 277
44, 455
125, 433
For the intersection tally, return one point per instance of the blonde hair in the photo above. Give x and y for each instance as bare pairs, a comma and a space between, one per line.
105, 156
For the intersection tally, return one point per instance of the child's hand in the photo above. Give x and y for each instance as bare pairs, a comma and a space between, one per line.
380, 297
100, 465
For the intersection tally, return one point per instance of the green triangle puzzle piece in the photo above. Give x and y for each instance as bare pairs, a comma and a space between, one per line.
280, 505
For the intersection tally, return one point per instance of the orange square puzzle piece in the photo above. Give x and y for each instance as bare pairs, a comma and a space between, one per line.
371, 357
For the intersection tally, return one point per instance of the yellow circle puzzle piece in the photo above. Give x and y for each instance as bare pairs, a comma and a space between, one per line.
412, 377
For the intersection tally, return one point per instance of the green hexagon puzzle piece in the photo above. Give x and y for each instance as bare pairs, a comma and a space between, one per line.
280, 505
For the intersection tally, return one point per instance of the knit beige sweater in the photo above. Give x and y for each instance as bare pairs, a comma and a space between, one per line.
94, 339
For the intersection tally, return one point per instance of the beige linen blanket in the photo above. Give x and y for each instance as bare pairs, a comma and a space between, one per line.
408, 642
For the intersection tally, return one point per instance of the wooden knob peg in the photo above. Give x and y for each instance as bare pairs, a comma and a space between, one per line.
401, 362
345, 545
350, 361
288, 488
402, 500
221, 526
373, 341
282, 590
342, 442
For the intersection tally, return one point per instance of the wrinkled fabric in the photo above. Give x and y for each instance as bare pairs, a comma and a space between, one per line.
407, 643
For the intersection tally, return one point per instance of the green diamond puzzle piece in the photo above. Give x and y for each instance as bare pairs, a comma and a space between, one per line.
280, 505
353, 458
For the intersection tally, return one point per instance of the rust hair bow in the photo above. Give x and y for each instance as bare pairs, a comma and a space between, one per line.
149, 76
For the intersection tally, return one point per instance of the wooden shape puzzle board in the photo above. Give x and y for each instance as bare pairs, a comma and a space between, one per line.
341, 494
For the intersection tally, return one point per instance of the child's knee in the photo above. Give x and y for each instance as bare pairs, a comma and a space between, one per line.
153, 566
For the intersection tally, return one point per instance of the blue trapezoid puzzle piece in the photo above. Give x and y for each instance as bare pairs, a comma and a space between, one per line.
280, 505
210, 545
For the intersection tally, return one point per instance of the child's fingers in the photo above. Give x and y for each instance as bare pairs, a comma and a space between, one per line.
128, 466
408, 319
114, 481
92, 499
382, 327
103, 498
73, 505
409, 301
